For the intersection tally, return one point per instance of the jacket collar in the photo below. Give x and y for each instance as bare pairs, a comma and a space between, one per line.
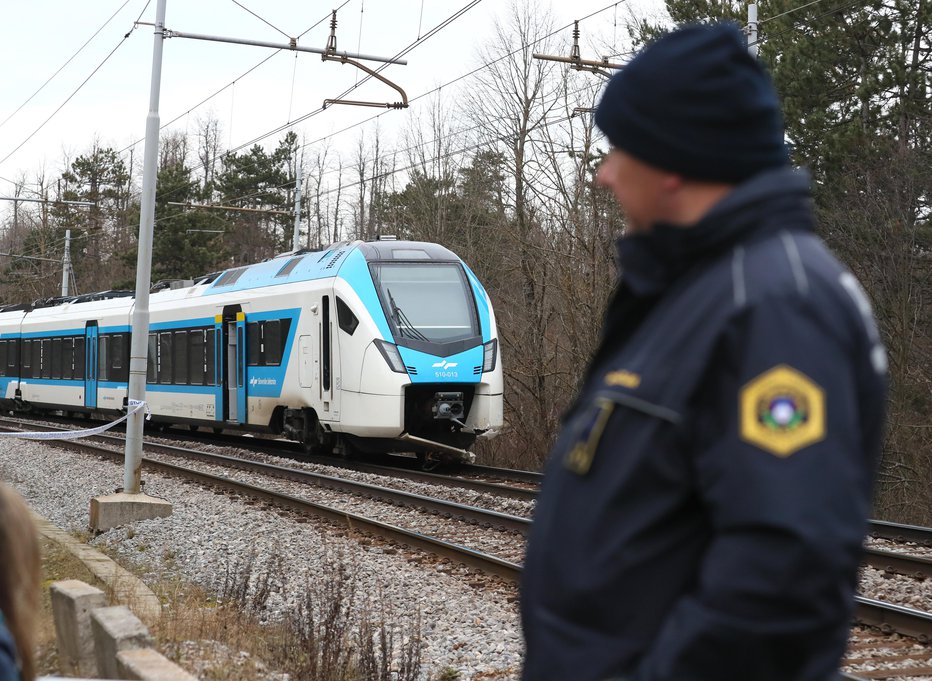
768, 202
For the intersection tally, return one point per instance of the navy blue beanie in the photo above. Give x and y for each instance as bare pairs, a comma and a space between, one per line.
696, 103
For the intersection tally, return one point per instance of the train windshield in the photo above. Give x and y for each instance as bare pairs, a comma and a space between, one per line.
428, 302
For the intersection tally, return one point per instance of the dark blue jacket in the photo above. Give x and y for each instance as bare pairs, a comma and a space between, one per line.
703, 509
9, 670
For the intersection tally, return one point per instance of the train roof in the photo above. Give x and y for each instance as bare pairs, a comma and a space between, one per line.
296, 266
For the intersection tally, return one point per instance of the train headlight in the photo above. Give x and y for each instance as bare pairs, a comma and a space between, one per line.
392, 356
489, 350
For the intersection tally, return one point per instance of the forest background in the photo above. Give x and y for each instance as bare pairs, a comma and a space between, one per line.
502, 173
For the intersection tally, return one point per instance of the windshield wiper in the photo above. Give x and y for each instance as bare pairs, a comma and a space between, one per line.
402, 323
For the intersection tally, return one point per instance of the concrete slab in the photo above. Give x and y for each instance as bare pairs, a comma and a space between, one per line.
118, 509
145, 664
72, 602
123, 586
116, 629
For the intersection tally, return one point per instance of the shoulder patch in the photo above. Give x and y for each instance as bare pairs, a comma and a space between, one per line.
781, 411
626, 379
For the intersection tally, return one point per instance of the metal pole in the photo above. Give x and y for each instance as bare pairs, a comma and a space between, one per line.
66, 264
752, 29
140, 341
296, 239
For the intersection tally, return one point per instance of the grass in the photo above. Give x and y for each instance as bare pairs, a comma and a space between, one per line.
57, 564
333, 634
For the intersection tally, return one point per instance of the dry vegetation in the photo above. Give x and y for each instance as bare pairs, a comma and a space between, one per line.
231, 635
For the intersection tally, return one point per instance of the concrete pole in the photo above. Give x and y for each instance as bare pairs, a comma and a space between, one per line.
752, 29
139, 345
66, 264
296, 239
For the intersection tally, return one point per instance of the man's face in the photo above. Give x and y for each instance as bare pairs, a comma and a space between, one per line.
640, 189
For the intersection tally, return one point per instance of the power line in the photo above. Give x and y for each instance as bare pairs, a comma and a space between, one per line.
80, 49
267, 23
425, 94
62, 105
232, 82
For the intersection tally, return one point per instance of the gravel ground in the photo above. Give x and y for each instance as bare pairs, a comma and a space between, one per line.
485, 500
910, 548
869, 651
897, 589
469, 621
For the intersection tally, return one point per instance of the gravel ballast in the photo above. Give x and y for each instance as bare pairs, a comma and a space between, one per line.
469, 621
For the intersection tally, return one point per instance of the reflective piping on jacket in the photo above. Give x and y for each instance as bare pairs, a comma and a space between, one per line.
737, 275
642, 405
796, 263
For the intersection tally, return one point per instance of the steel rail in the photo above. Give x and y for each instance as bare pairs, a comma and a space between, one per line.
899, 532
462, 554
479, 516
473, 514
277, 446
890, 617
900, 563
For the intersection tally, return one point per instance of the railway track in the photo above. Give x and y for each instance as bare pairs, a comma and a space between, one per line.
505, 482
885, 616
483, 561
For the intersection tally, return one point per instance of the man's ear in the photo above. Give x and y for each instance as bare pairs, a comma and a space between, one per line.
671, 182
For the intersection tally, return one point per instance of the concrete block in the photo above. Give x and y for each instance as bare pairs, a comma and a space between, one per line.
118, 509
72, 602
116, 628
145, 664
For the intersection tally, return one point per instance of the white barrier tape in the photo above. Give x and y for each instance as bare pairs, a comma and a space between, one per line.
134, 406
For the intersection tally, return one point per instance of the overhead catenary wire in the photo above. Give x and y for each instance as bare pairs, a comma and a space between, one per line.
264, 21
421, 96
232, 82
802, 24
70, 97
70, 59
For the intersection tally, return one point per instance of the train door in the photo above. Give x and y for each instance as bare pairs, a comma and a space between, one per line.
329, 363
90, 364
233, 364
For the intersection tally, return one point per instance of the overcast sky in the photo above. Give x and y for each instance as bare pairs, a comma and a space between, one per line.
41, 36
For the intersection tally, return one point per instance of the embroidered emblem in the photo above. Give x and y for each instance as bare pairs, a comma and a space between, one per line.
579, 458
782, 411
626, 379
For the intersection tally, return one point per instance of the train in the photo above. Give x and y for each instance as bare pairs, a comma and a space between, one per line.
364, 346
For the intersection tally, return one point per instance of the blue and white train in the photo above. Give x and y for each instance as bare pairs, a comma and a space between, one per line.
373, 346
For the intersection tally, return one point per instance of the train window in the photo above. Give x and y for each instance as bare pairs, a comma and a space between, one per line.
3, 354
45, 359
272, 342
165, 358
209, 358
67, 358
253, 344
79, 358
36, 358
103, 366
116, 351
196, 366
348, 321
181, 357
56, 358
26, 368
152, 359
12, 362
116, 357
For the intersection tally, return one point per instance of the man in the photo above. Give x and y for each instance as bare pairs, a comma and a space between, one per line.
703, 509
